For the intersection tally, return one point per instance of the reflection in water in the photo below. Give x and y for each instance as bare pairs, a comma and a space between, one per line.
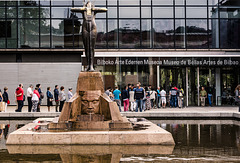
196, 141
4, 130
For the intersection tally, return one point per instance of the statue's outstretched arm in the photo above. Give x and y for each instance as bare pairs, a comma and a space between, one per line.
78, 9
100, 9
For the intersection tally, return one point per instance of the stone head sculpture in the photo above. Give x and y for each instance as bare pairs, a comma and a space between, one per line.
90, 102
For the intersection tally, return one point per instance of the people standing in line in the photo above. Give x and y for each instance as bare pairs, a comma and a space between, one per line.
41, 96
163, 95
19, 97
125, 97
5, 97
138, 96
70, 93
173, 97
237, 96
117, 94
49, 98
29, 97
56, 96
62, 98
131, 100
158, 98
35, 99
148, 104
210, 94
203, 96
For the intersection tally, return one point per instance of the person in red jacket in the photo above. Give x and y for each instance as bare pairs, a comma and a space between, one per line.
19, 96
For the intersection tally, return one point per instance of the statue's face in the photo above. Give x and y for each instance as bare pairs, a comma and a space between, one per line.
90, 102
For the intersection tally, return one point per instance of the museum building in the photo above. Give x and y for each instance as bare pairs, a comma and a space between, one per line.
164, 43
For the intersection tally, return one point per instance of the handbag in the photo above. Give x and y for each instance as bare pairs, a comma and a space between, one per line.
8, 102
41, 95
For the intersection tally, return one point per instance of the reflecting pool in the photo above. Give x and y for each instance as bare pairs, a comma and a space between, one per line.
196, 141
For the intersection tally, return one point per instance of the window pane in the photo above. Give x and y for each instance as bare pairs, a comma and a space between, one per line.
29, 3
12, 29
44, 2
2, 12
112, 34
2, 3
196, 12
146, 2
60, 12
180, 33
11, 12
146, 12
101, 36
78, 43
61, 3
57, 33
213, 2
229, 13
179, 2
146, 34
213, 33
112, 12
197, 35
45, 12
45, 33
129, 12
2, 33
28, 12
129, 33
196, 2
163, 33
112, 2
230, 33
11, 3
29, 33
162, 2
129, 2
100, 2
180, 12
162, 12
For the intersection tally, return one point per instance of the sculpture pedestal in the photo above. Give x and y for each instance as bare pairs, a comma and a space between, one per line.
73, 117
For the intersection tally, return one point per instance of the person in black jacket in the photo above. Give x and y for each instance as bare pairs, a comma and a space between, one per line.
5, 97
56, 94
125, 97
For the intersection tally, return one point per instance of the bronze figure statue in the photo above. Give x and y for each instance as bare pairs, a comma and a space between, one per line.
89, 30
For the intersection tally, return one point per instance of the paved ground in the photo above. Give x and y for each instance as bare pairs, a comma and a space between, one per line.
169, 110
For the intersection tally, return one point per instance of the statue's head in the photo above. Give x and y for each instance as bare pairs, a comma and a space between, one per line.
90, 102
89, 4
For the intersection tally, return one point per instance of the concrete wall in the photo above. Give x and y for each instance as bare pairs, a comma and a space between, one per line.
47, 74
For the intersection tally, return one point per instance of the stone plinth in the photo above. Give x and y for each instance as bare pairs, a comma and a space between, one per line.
101, 113
147, 134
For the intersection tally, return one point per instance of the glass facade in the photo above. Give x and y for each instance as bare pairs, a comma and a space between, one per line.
128, 24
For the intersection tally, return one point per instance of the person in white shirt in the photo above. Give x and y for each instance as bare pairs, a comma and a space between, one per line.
163, 97
29, 97
70, 93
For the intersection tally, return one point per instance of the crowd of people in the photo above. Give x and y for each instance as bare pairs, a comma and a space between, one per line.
35, 97
134, 98
145, 98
